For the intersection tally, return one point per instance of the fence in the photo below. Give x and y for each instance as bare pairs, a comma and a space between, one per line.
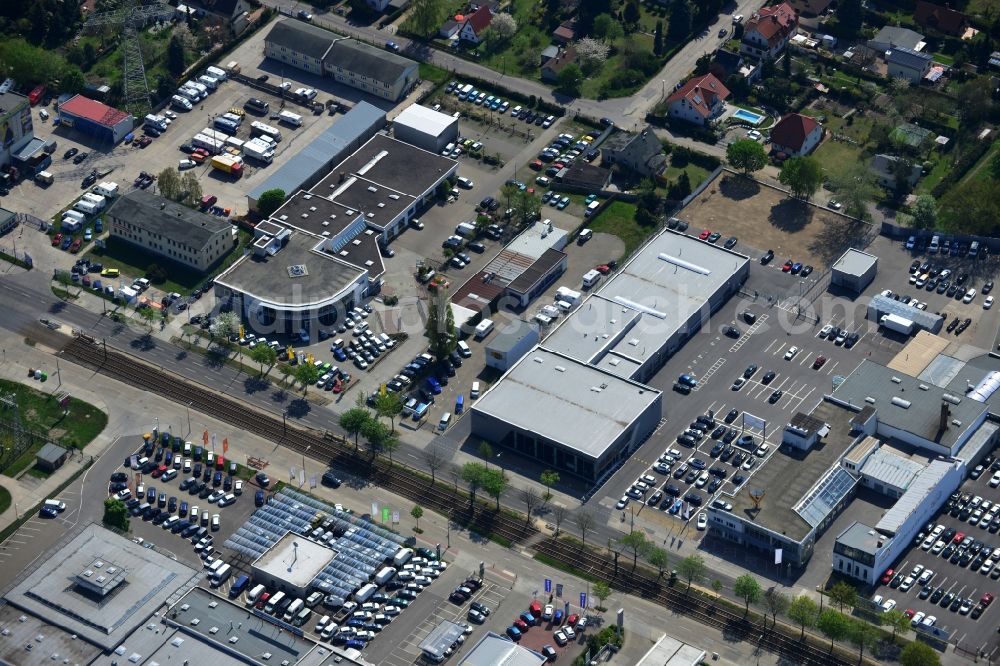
896, 232
15, 256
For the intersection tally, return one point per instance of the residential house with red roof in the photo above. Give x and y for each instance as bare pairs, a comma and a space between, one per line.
698, 101
796, 135
942, 19
768, 31
475, 25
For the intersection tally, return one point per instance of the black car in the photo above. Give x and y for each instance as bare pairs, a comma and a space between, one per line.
749, 372
607, 122
768, 256
719, 432
672, 490
775, 397
697, 463
262, 78
476, 247
732, 415
806, 270
731, 331
988, 286
730, 242
768, 377
119, 477
330, 479
89, 180
186, 148
694, 499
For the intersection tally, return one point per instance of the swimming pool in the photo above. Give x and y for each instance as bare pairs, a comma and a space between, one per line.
749, 116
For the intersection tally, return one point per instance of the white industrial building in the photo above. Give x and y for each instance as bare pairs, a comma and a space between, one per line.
854, 271
512, 342
292, 564
425, 128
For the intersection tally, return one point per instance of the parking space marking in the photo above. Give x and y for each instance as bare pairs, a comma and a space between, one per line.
708, 373
835, 364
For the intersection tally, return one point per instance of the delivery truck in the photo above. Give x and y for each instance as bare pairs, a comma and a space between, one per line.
289, 118
567, 295
228, 164
211, 145
259, 151
896, 323
214, 134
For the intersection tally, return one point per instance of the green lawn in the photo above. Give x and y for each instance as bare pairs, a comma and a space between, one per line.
433, 73
838, 153
928, 182
133, 262
41, 412
619, 219
696, 174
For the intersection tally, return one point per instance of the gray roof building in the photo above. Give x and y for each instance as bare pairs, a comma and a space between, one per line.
301, 37
888, 468
862, 538
495, 650
51, 455
880, 305
894, 36
378, 64
640, 152
855, 270
924, 485
440, 639
907, 57
170, 219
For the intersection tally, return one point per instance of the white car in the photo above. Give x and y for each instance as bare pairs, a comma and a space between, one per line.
988, 303
622, 503
790, 354
969, 295
825, 331
186, 164
938, 547
754, 134
547, 613
918, 618
929, 621
995, 480
738, 384
702, 521
906, 584
888, 605
928, 542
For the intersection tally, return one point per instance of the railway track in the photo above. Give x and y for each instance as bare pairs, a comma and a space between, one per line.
332, 449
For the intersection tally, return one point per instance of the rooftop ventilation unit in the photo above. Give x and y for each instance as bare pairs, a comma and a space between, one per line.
372, 188
947, 397
896, 380
923, 387
677, 261
394, 197
307, 197
312, 209
559, 368
899, 402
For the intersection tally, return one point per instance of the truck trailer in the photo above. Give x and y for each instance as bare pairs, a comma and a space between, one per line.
213, 146
259, 151
896, 323
258, 128
228, 164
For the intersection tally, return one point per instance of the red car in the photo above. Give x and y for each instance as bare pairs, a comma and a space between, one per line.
909, 613
959, 538
56, 240
603, 269
887, 576
535, 608
787, 266
559, 165
536, 165
158, 472
987, 599
262, 601
200, 151
572, 619
705, 233
75, 247
521, 624
143, 141
818, 363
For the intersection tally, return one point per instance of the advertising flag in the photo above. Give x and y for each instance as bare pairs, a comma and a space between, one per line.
225, 445
204, 437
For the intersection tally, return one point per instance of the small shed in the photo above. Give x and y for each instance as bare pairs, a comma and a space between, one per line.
508, 346
51, 457
854, 271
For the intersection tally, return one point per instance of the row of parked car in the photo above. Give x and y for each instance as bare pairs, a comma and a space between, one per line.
564, 629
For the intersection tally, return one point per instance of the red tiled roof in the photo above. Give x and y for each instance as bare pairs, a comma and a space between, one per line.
774, 23
85, 107
945, 19
701, 93
564, 32
479, 20
792, 131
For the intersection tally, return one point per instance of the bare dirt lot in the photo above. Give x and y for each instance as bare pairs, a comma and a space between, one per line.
767, 218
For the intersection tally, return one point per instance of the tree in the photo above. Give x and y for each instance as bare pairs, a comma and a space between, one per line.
495, 483
918, 653
175, 56
504, 26
115, 514
472, 474
440, 327
527, 207
306, 374
426, 16
375, 434
585, 521
804, 612
191, 189
717, 588
776, 602
226, 324
658, 558
637, 542
746, 156
601, 590
169, 183
631, 14
679, 26
263, 355
531, 500
548, 478
972, 206
270, 201
569, 79
844, 595
896, 621
802, 175
433, 457
658, 39
592, 52
559, 514
856, 188
692, 569
850, 17
607, 28
786, 62
389, 405
353, 421
861, 633
923, 212
748, 589
834, 625
485, 452
417, 514
148, 316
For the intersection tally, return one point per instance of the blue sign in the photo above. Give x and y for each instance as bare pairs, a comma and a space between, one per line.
583, 600
548, 585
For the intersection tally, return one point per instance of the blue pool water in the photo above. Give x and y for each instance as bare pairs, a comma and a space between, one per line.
749, 116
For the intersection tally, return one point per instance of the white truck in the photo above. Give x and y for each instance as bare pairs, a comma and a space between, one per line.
567, 295
289, 118
483, 328
258, 128
258, 150
896, 323
467, 229
213, 146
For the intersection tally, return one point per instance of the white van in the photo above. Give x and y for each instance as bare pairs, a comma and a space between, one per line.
445, 420
384, 576
293, 610
585, 236
591, 208
365, 593
216, 73
402, 556
935, 245
209, 81
463, 349
273, 602
254, 594
474, 393
483, 329
44, 177
542, 319
564, 306
465, 182
55, 504
590, 278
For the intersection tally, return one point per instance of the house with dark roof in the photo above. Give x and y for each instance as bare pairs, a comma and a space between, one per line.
449, 29
796, 135
584, 177
548, 53
565, 33
698, 101
886, 168
641, 153
552, 66
809, 8
234, 14
892, 36
318, 51
767, 31
171, 230
727, 63
943, 19
475, 25
907, 64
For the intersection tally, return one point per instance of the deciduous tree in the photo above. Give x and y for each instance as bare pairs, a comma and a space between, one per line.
168, 182
918, 653
748, 589
804, 612
548, 478
607, 28
531, 501
473, 474
389, 405
263, 355
306, 374
570, 79
270, 200
776, 602
434, 459
679, 26
746, 156
802, 175
115, 514
585, 521
692, 569
504, 26
844, 595
417, 512
353, 420
896, 621
440, 327
426, 16
601, 590
637, 542
834, 625
658, 558
592, 52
